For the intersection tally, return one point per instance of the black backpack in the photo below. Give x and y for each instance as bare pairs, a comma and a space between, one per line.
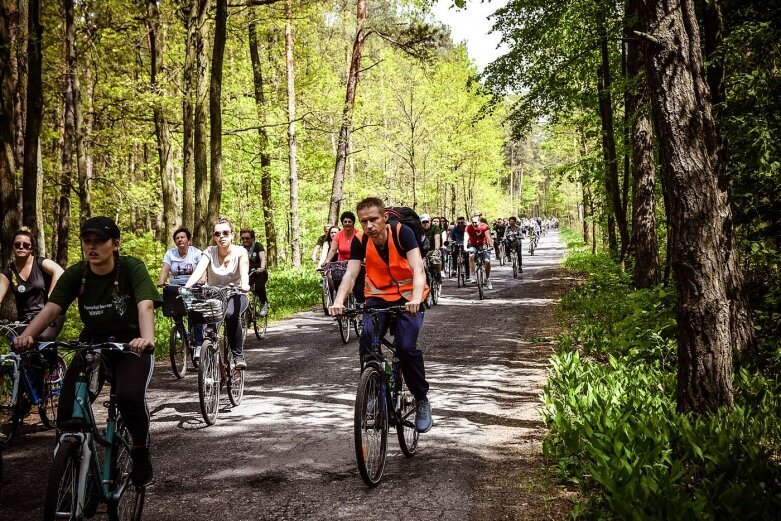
407, 216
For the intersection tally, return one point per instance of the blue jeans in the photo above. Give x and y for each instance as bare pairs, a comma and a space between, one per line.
237, 305
405, 340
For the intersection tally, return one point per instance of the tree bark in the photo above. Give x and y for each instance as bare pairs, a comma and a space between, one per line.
215, 110
85, 210
18, 31
612, 190
704, 253
265, 155
189, 14
156, 42
9, 216
644, 243
295, 238
337, 188
201, 135
33, 119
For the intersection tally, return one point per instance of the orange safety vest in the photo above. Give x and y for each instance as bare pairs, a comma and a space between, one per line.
390, 281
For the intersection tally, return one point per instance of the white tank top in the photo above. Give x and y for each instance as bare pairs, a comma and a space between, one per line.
217, 275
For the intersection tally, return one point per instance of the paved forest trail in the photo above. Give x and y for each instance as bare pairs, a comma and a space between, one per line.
287, 451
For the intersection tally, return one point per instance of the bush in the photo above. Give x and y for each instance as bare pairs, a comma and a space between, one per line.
614, 430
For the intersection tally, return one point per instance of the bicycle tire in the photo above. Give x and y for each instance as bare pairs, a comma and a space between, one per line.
247, 318
405, 425
325, 295
62, 486
344, 328
209, 382
479, 279
370, 427
234, 381
515, 267
501, 255
435, 289
429, 296
177, 352
130, 503
9, 417
52, 386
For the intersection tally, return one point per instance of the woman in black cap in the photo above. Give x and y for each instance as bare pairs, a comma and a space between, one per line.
116, 299
31, 279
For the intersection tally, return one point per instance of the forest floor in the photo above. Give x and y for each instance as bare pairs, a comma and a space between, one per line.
287, 451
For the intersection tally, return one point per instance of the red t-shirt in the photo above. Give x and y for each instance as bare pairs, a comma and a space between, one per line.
478, 235
343, 244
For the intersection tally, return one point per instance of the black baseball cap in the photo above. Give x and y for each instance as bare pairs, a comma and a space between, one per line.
103, 227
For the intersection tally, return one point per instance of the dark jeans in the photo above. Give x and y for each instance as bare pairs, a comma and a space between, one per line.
258, 282
130, 376
405, 340
237, 305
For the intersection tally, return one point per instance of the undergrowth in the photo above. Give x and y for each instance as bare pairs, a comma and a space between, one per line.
614, 430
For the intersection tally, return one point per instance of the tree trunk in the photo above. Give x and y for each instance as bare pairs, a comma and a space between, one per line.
18, 31
33, 119
215, 110
9, 216
190, 16
295, 238
704, 254
337, 189
612, 189
202, 228
85, 210
644, 244
156, 42
265, 155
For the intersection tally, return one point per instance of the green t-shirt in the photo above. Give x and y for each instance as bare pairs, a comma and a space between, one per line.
432, 232
103, 313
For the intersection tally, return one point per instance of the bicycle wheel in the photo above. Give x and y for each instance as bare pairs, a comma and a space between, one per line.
371, 426
128, 501
515, 266
405, 429
435, 290
479, 278
247, 318
325, 295
501, 255
9, 419
429, 297
52, 386
260, 324
62, 487
177, 351
209, 382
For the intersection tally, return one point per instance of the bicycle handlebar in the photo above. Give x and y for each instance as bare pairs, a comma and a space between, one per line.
375, 311
78, 345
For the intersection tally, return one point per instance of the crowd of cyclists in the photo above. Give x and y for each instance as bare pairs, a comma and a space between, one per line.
388, 262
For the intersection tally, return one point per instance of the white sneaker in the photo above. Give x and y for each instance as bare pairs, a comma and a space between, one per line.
488, 284
197, 354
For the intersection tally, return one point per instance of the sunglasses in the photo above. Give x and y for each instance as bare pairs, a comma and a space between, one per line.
23, 245
223, 233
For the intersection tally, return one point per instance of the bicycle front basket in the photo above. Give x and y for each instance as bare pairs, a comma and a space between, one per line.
206, 305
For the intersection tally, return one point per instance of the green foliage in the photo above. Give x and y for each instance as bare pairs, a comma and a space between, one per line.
614, 429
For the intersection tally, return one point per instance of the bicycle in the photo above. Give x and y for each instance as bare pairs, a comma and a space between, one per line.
27, 379
180, 338
480, 276
382, 400
207, 305
252, 316
326, 295
349, 323
460, 267
78, 478
533, 236
500, 253
434, 282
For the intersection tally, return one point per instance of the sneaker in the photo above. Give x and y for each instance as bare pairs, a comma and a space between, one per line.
197, 353
423, 416
264, 310
239, 363
468, 280
488, 284
142, 466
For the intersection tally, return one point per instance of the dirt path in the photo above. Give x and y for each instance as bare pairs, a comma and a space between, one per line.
287, 452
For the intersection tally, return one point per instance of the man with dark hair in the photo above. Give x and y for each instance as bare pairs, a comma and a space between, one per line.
394, 276
258, 275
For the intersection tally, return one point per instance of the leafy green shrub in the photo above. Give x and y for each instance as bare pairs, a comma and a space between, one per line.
614, 429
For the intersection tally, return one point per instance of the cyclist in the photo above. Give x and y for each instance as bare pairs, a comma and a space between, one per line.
513, 236
394, 275
258, 275
479, 236
179, 263
434, 234
324, 258
116, 299
341, 245
321, 242
226, 263
498, 229
458, 238
31, 279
